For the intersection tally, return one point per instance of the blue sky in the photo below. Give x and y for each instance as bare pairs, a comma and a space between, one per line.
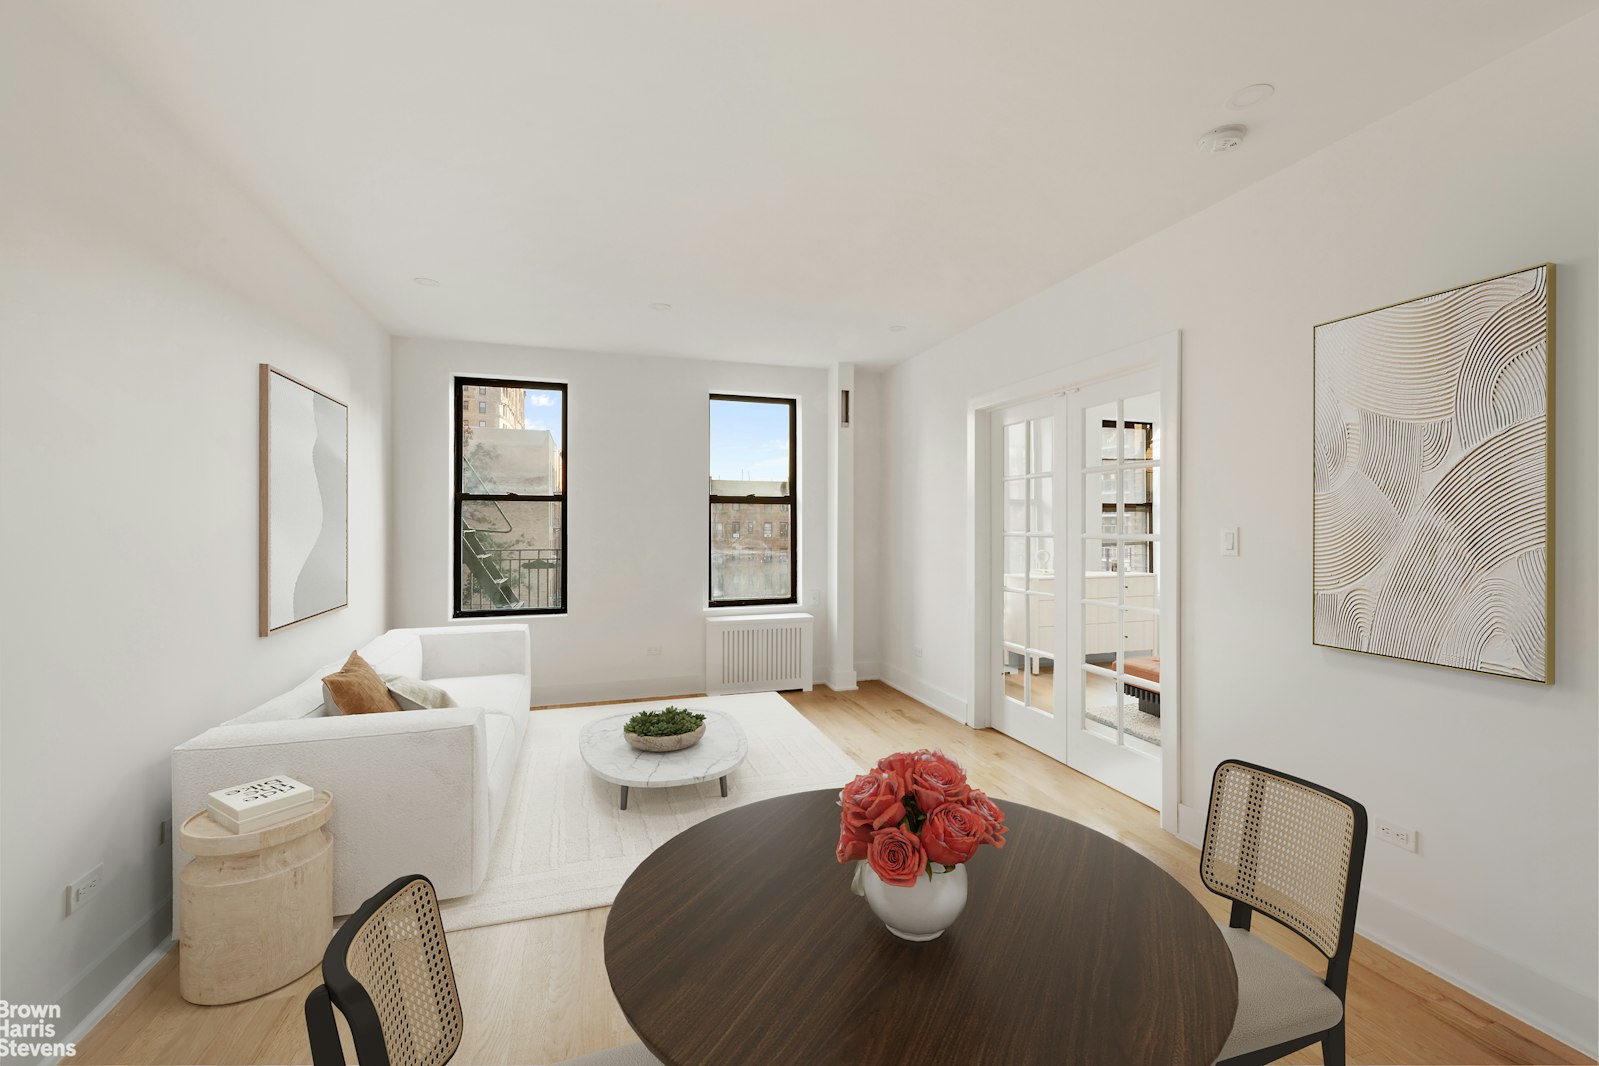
749, 441
542, 410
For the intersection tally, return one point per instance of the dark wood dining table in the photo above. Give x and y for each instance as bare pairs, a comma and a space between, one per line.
739, 942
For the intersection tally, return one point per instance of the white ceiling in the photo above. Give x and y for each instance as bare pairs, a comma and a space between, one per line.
794, 179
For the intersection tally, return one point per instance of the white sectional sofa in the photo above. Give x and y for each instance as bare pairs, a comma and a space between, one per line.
418, 791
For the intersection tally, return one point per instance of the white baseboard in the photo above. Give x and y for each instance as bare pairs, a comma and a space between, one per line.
944, 702
843, 680
1191, 825
1565, 1013
601, 690
101, 987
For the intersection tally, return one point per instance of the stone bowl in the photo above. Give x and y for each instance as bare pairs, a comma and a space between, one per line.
658, 744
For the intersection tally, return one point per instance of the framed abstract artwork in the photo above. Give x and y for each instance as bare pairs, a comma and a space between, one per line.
304, 508
1434, 479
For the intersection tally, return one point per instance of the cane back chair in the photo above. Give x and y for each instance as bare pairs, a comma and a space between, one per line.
1293, 851
388, 972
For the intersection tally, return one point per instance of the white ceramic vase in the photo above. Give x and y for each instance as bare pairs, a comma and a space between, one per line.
920, 912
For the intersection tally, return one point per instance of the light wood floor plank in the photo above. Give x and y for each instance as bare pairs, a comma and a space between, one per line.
536, 991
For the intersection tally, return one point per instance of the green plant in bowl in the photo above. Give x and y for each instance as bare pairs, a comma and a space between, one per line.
671, 722
671, 729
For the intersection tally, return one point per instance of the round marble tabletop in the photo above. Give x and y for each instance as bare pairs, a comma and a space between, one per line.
608, 754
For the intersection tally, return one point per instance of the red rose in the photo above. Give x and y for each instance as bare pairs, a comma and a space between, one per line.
896, 856
935, 780
991, 814
852, 843
953, 833
900, 765
872, 801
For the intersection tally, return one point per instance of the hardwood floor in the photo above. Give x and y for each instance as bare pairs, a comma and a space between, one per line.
536, 991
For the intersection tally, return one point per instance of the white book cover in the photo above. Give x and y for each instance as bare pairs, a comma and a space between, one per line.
260, 821
255, 801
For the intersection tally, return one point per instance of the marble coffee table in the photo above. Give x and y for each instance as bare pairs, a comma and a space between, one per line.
719, 752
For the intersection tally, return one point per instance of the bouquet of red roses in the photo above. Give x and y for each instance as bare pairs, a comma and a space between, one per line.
913, 811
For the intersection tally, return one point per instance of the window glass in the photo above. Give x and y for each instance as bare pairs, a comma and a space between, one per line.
511, 500
752, 467
750, 448
519, 452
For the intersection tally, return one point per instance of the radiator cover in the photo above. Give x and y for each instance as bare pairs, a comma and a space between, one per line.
758, 653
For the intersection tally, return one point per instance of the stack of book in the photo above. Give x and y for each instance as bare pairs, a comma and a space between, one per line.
258, 804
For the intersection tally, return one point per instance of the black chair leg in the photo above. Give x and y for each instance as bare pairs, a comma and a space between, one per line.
321, 1028
1332, 1046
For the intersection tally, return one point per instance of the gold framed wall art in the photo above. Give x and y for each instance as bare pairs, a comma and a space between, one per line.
1434, 478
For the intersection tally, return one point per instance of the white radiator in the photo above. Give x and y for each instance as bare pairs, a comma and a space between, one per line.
758, 653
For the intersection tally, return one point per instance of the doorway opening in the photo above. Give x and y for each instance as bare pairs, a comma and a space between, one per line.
1076, 508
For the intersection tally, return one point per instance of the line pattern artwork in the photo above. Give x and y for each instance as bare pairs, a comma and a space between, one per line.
1432, 496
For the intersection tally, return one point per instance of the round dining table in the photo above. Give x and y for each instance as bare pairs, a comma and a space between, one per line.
739, 942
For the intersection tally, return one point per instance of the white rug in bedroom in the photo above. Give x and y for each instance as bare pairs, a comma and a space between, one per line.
563, 844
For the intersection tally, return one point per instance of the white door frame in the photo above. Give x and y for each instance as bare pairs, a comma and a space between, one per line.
1164, 355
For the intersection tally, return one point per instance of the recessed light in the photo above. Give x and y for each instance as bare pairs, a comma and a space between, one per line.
896, 329
1250, 95
426, 283
660, 307
1222, 139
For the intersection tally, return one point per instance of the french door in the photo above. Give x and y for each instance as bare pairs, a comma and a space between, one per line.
1081, 610
1121, 553
1023, 515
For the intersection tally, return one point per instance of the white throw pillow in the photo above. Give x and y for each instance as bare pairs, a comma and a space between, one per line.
413, 694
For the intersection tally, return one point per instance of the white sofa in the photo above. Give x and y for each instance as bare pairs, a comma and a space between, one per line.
418, 791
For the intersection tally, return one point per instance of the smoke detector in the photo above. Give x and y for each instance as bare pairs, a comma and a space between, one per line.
1222, 139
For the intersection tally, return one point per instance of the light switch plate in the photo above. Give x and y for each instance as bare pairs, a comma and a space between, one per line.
1229, 540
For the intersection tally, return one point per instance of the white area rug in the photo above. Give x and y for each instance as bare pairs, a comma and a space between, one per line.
1145, 727
564, 845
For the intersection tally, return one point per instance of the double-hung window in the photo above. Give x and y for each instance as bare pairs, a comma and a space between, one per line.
753, 462
510, 502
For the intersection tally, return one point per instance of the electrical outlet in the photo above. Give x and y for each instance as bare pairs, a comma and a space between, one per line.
653, 649
1397, 835
918, 651
84, 888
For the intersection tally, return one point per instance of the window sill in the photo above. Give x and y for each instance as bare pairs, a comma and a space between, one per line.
754, 608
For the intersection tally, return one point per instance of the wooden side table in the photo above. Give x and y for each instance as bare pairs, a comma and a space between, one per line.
256, 909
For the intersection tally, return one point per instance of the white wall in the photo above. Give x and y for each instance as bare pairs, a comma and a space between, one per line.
637, 466
866, 419
139, 289
1497, 172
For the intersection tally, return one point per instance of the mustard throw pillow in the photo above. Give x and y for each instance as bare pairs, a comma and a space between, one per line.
357, 689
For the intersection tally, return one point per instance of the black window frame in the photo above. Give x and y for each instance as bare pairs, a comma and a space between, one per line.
461, 497
791, 500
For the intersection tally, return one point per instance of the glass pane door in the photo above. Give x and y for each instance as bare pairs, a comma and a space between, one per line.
1113, 714
1024, 537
